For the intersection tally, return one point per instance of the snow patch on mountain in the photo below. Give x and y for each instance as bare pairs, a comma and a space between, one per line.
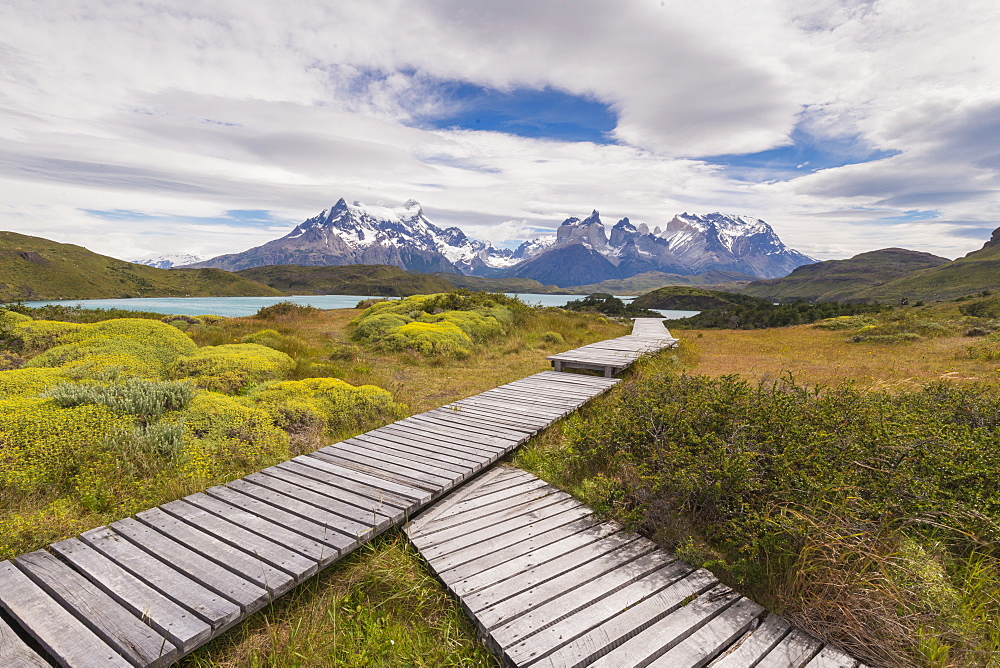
168, 260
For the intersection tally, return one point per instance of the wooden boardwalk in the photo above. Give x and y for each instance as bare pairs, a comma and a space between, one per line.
614, 355
548, 585
150, 588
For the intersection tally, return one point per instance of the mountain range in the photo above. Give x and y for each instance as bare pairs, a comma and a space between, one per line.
581, 252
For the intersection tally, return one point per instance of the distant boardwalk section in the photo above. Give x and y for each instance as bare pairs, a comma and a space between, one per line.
614, 355
549, 585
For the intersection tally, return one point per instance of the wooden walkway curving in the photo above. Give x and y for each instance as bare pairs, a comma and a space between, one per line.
614, 355
548, 585
151, 588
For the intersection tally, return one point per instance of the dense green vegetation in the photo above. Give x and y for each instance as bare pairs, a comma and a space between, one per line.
652, 280
442, 324
686, 298
36, 268
609, 305
761, 314
100, 420
870, 517
357, 279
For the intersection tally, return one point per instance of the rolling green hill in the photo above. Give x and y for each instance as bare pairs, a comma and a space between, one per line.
855, 279
36, 268
355, 279
687, 298
522, 285
651, 280
977, 271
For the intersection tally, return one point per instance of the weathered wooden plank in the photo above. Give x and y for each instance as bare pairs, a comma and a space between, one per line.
563, 645
481, 504
488, 415
449, 540
217, 610
465, 492
279, 518
117, 627
414, 453
294, 564
587, 605
711, 639
761, 641
793, 651
530, 593
60, 633
368, 497
209, 574
443, 439
669, 631
523, 395
468, 550
500, 436
308, 491
14, 653
388, 464
831, 657
479, 437
419, 447
540, 418
590, 381
370, 467
180, 625
385, 487
520, 558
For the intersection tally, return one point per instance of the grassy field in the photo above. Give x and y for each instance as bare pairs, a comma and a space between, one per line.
846, 480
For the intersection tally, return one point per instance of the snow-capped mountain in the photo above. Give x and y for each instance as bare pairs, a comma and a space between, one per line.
581, 251
168, 260
365, 234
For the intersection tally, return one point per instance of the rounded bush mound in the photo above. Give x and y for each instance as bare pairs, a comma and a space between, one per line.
9, 320
137, 397
133, 346
340, 406
224, 438
28, 382
39, 335
430, 338
45, 444
233, 367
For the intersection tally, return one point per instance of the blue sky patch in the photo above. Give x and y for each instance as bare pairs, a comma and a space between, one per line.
806, 154
546, 113
244, 217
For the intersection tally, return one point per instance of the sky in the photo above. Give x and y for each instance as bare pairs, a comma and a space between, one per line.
136, 128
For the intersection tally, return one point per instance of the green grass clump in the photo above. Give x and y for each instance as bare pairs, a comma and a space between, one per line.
858, 514
232, 368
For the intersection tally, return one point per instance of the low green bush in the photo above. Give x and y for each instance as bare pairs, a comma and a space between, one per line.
28, 382
233, 367
142, 398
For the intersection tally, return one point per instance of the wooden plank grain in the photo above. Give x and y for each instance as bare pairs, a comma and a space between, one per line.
831, 657
116, 626
15, 653
711, 639
308, 491
758, 643
180, 625
217, 610
416, 495
61, 634
793, 651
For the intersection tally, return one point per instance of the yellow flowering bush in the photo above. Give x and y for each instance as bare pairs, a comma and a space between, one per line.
131, 346
45, 445
10, 319
224, 438
38, 335
341, 407
431, 338
232, 367
28, 382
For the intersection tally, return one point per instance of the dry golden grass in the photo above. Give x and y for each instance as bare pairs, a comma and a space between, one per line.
822, 357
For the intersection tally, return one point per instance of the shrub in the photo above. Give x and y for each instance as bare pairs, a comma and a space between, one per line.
45, 445
224, 438
132, 346
38, 335
340, 406
28, 382
291, 345
137, 397
233, 367
438, 338
286, 310
846, 322
552, 337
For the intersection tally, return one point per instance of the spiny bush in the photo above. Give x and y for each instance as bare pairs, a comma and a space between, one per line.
810, 498
439, 324
142, 398
28, 382
225, 438
340, 407
135, 346
233, 367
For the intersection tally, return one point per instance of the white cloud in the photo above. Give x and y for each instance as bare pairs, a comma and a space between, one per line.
183, 109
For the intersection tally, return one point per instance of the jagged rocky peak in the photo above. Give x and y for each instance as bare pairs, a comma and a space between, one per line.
590, 232
623, 231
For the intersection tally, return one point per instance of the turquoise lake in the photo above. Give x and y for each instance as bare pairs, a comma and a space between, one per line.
231, 307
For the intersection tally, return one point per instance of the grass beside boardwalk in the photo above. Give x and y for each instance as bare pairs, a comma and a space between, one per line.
377, 607
845, 477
